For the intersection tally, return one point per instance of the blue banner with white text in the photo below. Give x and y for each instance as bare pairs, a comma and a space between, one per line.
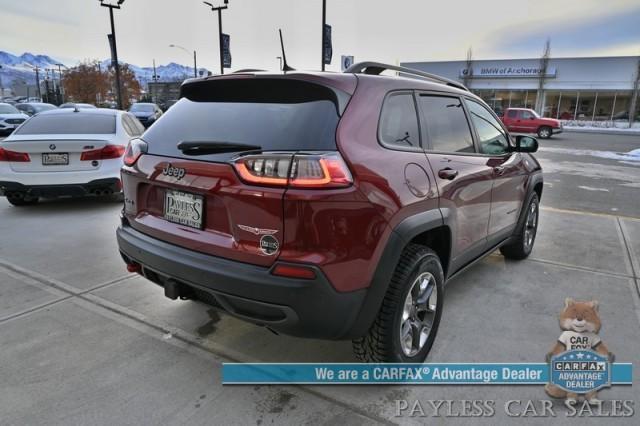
419, 374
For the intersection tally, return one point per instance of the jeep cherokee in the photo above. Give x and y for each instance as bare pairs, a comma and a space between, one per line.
327, 205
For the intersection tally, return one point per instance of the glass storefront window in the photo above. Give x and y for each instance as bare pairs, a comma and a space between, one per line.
564, 105
551, 102
603, 107
523, 98
587, 106
500, 101
586, 102
622, 105
567, 105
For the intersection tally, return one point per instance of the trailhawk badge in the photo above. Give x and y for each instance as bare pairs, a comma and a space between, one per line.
269, 245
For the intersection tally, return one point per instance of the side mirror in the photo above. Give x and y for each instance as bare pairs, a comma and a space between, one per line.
526, 144
532, 118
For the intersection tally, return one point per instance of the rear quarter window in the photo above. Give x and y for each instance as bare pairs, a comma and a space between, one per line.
399, 121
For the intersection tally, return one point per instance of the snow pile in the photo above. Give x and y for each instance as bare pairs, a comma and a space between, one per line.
633, 155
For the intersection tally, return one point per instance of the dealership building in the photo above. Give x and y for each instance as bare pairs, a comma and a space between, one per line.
590, 89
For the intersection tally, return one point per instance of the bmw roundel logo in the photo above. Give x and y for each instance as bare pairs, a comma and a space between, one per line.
52, 147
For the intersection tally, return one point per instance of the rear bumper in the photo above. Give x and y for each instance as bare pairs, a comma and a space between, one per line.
556, 130
306, 308
95, 187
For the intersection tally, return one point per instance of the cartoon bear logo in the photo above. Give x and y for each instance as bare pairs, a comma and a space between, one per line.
581, 324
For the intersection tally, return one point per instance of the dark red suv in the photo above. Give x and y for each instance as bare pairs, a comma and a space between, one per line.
327, 205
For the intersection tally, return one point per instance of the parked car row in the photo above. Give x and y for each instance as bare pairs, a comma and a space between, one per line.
13, 114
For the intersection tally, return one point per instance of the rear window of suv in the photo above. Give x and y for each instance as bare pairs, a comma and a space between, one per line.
274, 114
74, 123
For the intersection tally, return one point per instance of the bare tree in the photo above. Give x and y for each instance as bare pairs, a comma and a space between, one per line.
634, 97
544, 64
468, 73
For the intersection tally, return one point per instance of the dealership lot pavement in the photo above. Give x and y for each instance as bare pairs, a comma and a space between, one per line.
592, 172
84, 342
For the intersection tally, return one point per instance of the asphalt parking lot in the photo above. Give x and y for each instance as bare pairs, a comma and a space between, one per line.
83, 342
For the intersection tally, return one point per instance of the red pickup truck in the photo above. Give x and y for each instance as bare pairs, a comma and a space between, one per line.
524, 120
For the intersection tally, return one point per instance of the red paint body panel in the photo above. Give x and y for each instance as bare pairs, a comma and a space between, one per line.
228, 203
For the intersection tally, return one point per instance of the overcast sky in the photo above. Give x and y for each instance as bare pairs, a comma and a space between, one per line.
382, 30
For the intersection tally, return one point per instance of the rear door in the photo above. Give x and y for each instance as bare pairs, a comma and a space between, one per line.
464, 179
225, 216
509, 173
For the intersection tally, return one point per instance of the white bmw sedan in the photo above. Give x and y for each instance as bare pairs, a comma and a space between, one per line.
66, 152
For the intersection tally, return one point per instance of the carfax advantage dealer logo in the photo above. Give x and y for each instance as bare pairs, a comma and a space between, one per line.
580, 371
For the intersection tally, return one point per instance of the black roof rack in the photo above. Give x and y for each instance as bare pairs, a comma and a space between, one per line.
375, 68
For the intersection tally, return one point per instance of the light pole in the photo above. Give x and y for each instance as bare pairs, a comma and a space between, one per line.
324, 22
195, 60
114, 48
219, 9
38, 91
60, 82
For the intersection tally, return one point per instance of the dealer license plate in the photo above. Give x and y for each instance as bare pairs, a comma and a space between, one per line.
183, 208
55, 159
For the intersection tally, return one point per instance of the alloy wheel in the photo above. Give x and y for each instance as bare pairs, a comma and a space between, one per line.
418, 314
531, 226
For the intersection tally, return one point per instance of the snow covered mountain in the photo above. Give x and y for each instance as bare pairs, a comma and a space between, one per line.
20, 70
169, 72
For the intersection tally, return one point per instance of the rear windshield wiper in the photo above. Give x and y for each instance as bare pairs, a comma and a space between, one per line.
212, 147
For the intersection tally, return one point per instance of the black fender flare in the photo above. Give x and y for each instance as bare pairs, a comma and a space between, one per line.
534, 180
398, 239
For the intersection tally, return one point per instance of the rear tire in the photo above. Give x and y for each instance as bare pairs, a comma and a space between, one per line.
545, 132
408, 320
525, 235
22, 201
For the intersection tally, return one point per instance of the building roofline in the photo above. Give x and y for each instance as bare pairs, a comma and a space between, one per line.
522, 59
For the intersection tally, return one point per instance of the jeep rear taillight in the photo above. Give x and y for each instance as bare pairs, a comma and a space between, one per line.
134, 150
295, 170
13, 156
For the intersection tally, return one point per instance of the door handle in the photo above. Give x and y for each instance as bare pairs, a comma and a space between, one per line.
448, 173
499, 170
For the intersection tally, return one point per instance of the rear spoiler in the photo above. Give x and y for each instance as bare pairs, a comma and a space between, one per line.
262, 89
